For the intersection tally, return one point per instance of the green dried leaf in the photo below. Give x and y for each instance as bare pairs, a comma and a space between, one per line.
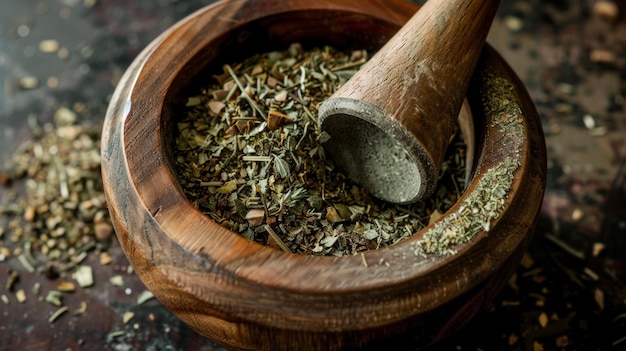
329, 241
281, 167
263, 186
194, 101
370, 234
316, 202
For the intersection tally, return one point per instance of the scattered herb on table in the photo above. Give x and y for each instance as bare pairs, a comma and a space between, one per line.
55, 206
61, 214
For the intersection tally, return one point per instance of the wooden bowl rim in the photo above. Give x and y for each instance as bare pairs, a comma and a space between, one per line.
254, 262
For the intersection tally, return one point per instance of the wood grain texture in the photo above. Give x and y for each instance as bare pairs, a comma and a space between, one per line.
413, 88
250, 297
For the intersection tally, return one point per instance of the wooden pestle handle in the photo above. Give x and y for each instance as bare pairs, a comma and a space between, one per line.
412, 90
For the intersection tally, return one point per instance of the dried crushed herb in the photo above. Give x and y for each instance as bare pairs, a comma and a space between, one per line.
248, 155
57, 314
56, 206
57, 217
487, 201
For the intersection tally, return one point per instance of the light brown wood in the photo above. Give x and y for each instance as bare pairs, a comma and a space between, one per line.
412, 89
250, 297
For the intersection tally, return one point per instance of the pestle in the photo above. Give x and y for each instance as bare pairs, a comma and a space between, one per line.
389, 126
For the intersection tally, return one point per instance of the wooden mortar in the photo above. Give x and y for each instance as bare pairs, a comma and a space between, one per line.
246, 296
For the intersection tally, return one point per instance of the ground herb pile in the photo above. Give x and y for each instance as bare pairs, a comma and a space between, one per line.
248, 155
487, 201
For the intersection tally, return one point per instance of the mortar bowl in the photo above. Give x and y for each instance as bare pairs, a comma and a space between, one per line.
246, 296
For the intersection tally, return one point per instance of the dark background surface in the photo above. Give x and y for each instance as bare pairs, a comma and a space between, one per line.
572, 60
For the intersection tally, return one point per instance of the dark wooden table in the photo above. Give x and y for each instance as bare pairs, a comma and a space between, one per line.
566, 296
